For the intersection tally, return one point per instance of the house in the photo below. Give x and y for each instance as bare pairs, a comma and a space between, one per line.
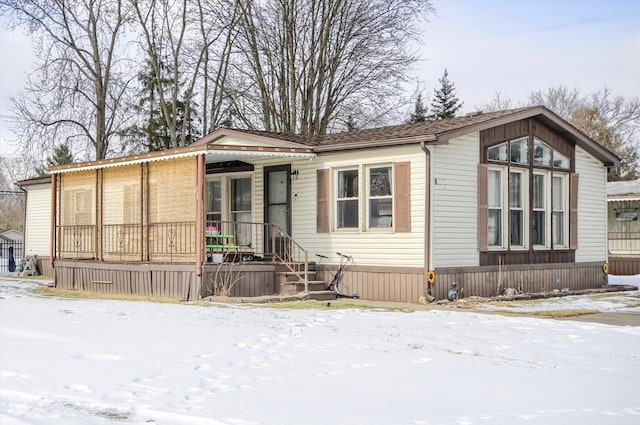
623, 208
37, 222
507, 199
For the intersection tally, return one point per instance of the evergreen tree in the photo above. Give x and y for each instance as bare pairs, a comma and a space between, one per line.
419, 113
61, 155
156, 131
445, 103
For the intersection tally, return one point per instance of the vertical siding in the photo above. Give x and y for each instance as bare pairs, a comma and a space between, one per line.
455, 202
367, 247
38, 220
592, 208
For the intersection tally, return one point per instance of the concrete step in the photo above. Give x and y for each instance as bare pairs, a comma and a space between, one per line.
288, 276
298, 286
321, 295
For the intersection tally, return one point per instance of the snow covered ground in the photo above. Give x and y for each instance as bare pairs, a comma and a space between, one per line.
81, 361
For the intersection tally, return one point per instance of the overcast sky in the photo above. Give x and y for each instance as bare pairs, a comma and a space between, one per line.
488, 46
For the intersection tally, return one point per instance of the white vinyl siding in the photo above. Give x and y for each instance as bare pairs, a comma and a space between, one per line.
38, 220
592, 208
380, 247
455, 202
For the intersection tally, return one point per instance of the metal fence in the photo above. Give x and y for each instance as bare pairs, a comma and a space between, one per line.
11, 252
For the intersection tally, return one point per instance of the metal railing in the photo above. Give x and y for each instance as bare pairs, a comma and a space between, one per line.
77, 241
122, 240
11, 252
230, 241
237, 241
172, 241
624, 243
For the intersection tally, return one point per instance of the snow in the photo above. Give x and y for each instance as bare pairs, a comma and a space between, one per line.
81, 361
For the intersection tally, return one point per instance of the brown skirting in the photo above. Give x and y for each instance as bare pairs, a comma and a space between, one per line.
624, 266
404, 284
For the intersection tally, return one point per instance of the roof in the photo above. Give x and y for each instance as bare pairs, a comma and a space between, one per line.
623, 190
34, 181
234, 142
438, 131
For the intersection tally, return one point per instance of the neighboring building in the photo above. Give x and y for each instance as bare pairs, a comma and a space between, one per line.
37, 222
504, 199
623, 204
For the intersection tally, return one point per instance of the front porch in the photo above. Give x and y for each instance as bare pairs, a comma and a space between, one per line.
242, 259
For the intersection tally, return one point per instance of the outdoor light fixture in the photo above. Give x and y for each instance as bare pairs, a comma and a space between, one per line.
294, 175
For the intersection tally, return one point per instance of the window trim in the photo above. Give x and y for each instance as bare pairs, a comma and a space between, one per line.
524, 191
565, 210
502, 197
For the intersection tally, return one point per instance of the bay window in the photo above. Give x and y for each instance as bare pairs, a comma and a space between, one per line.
527, 196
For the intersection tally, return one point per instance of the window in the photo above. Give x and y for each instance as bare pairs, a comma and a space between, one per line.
520, 150
527, 207
539, 214
214, 200
498, 152
380, 198
517, 202
559, 210
240, 208
348, 201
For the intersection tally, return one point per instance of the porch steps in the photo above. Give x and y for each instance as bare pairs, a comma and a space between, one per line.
289, 283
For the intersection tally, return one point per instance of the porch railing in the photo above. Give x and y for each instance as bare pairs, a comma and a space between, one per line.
77, 241
247, 241
225, 241
624, 243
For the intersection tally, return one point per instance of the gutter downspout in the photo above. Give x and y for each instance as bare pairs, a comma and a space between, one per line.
427, 211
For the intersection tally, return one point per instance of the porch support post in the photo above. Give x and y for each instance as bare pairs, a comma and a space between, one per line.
52, 242
200, 215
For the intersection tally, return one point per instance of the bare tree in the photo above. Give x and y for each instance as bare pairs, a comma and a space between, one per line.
76, 93
188, 45
306, 65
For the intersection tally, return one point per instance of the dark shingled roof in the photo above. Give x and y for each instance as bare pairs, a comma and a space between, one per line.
425, 128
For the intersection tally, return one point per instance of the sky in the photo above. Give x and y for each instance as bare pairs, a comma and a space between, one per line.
100, 362
488, 46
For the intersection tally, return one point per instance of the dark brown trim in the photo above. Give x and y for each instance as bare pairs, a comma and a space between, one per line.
323, 200
541, 256
516, 267
573, 211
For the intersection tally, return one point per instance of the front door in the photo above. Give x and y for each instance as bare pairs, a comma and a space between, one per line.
277, 207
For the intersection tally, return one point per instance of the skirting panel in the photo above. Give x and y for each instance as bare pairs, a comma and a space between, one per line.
246, 280
154, 280
493, 280
624, 265
405, 284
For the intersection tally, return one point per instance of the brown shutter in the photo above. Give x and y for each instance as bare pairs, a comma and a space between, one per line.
573, 212
483, 208
323, 201
401, 194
